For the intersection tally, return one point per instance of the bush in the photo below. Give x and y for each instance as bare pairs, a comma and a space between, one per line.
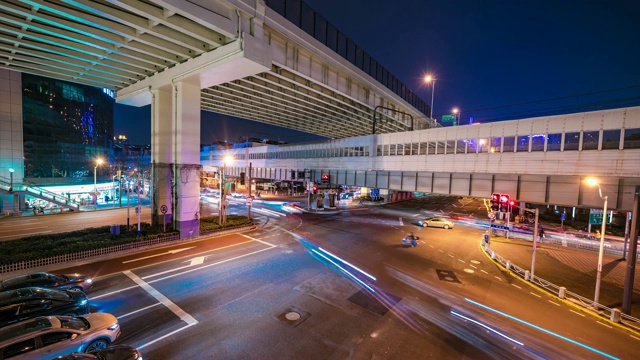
44, 246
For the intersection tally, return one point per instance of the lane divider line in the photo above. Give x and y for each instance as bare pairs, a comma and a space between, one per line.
137, 311
163, 336
258, 240
577, 313
534, 294
516, 286
605, 325
554, 303
190, 320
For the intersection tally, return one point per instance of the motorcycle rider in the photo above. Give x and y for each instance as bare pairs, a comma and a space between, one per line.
411, 239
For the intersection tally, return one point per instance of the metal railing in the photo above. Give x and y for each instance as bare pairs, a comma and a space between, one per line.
561, 292
83, 255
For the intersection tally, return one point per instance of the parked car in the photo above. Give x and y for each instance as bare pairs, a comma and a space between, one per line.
50, 336
48, 280
117, 352
436, 222
22, 304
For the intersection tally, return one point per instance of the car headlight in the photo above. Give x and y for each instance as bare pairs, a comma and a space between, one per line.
83, 302
114, 326
88, 281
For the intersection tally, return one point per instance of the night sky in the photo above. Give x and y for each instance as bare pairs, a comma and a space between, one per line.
495, 60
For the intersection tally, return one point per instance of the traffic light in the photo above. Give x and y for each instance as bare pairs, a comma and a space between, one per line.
241, 178
504, 203
325, 178
511, 205
315, 189
495, 202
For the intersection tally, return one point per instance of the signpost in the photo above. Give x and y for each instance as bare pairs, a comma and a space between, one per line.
449, 118
163, 209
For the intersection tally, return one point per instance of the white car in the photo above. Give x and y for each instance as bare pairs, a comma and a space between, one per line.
51, 336
436, 222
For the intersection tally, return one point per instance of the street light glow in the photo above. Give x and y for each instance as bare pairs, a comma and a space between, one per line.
428, 79
591, 181
99, 161
456, 110
227, 159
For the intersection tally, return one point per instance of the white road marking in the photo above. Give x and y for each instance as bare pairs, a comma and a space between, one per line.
534, 294
603, 324
635, 337
516, 286
258, 240
199, 260
431, 246
554, 303
498, 278
462, 261
485, 272
577, 313
165, 253
414, 215
475, 262
133, 312
475, 267
113, 292
164, 336
441, 251
450, 255
401, 222
190, 320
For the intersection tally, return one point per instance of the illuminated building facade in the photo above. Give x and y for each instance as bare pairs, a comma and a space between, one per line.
66, 126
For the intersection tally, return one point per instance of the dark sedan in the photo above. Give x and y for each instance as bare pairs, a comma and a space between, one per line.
22, 304
116, 352
48, 280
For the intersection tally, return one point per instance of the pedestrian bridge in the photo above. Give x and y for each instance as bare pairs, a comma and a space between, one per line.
540, 160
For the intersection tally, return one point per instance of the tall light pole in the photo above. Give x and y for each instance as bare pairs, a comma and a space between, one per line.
11, 179
456, 113
222, 203
594, 182
432, 80
95, 180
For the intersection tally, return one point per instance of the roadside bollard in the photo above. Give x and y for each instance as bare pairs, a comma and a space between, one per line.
526, 275
615, 315
508, 265
493, 255
562, 292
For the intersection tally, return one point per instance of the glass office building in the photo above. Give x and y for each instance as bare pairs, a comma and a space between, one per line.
66, 126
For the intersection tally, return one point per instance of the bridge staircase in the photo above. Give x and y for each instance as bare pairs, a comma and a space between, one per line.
7, 186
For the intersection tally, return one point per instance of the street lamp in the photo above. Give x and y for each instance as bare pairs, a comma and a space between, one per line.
456, 113
594, 182
222, 213
432, 80
95, 170
11, 179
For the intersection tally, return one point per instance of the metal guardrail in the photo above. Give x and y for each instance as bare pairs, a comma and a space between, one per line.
561, 292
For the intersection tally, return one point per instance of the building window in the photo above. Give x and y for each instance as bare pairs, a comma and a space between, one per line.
571, 141
414, 148
554, 141
632, 138
423, 148
611, 139
523, 143
432, 148
509, 144
590, 140
537, 142
483, 145
450, 147
461, 146
496, 145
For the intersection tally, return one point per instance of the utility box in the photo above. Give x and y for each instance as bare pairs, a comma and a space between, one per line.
115, 229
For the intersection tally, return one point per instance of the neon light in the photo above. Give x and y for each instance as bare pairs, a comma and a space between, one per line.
542, 329
348, 263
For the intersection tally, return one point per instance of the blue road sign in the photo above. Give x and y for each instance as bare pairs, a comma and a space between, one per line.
500, 227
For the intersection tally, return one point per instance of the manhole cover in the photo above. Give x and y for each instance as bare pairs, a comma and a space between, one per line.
292, 316
364, 299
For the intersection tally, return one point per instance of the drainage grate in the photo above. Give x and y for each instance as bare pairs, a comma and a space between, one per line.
364, 299
447, 275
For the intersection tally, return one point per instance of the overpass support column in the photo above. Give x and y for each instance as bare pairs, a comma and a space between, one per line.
176, 150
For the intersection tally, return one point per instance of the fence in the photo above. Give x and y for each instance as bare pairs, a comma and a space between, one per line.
561, 292
111, 250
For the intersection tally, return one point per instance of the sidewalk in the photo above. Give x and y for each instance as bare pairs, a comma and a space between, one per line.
574, 269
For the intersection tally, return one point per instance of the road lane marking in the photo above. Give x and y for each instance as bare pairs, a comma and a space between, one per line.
164, 336
414, 215
554, 303
450, 255
137, 311
114, 292
603, 324
190, 320
516, 286
164, 253
431, 246
498, 278
534, 294
484, 272
577, 313
258, 240
475, 267
462, 261
198, 268
635, 337
441, 251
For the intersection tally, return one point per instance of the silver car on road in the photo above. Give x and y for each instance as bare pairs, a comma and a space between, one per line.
436, 222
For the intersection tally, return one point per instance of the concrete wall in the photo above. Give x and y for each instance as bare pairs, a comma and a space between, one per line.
11, 142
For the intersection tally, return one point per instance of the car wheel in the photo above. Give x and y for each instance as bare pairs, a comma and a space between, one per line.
96, 345
424, 224
446, 226
77, 288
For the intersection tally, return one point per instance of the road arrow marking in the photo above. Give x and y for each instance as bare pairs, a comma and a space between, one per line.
166, 253
197, 260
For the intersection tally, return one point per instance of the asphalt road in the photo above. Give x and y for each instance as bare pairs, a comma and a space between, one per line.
283, 291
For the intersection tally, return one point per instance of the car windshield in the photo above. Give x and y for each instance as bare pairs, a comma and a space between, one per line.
75, 323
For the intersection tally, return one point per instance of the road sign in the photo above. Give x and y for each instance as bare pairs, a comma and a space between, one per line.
163, 209
492, 215
500, 227
449, 118
375, 192
249, 201
595, 217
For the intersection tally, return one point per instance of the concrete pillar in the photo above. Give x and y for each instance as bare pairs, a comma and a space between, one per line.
161, 153
562, 292
186, 128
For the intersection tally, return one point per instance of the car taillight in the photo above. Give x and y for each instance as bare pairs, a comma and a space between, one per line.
114, 326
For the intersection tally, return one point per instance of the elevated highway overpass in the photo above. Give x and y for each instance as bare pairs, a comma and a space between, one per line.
540, 160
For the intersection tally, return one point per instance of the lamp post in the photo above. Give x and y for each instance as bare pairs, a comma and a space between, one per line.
222, 203
456, 113
432, 80
11, 179
596, 297
95, 181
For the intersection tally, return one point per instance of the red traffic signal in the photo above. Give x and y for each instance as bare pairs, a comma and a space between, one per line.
504, 198
315, 189
495, 197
